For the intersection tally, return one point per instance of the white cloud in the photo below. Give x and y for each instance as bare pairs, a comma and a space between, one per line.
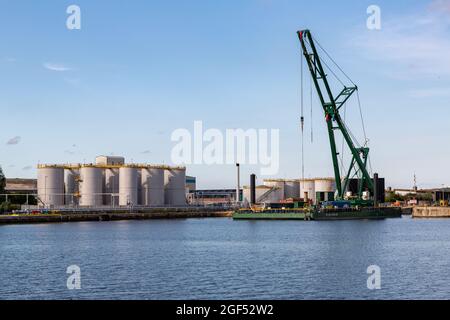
56, 67
413, 45
27, 168
430, 92
440, 6
14, 140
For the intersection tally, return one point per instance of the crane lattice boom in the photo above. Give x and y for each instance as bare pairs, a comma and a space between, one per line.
331, 105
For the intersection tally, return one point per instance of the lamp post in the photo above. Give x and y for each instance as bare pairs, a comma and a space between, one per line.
238, 188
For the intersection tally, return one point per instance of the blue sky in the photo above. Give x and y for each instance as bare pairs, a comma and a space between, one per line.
136, 72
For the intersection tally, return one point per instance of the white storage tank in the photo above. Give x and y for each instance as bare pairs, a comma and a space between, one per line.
152, 186
277, 183
264, 194
139, 186
111, 197
325, 189
269, 194
307, 190
91, 184
71, 187
175, 186
291, 189
50, 185
128, 186
246, 194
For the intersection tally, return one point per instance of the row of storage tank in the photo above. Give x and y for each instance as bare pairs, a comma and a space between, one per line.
124, 185
275, 190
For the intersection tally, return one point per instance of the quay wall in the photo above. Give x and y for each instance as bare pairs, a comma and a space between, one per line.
111, 216
431, 212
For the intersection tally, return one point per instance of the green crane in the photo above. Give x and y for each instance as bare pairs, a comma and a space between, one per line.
331, 105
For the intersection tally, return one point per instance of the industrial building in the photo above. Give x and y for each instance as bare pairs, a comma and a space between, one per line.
191, 184
110, 182
21, 186
442, 194
213, 196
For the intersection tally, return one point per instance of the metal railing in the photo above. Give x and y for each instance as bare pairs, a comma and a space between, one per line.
73, 205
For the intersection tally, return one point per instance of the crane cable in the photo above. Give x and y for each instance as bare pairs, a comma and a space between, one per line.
362, 118
311, 99
342, 83
311, 105
302, 119
327, 66
332, 60
366, 141
349, 79
343, 141
332, 72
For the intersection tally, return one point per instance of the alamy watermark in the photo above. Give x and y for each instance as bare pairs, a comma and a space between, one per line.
374, 280
74, 280
374, 19
73, 21
215, 147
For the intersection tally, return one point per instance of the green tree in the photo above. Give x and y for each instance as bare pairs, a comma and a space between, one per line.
2, 181
425, 196
393, 197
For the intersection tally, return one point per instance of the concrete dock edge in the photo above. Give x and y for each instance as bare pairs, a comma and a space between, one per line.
431, 212
105, 216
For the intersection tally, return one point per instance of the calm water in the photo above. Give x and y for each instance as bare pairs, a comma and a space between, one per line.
225, 259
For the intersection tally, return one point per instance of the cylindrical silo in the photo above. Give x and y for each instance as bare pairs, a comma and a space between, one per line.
91, 186
51, 185
71, 178
307, 190
264, 194
325, 189
152, 186
128, 186
139, 186
276, 183
111, 191
291, 189
175, 186
269, 194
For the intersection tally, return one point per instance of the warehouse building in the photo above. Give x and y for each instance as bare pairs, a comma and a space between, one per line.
20, 191
213, 197
21, 186
442, 194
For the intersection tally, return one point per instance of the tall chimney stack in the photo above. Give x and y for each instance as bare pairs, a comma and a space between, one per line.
253, 189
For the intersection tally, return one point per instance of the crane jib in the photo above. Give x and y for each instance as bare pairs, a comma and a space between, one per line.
331, 105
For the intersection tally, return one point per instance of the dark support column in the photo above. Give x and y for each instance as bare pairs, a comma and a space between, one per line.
253, 189
375, 189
